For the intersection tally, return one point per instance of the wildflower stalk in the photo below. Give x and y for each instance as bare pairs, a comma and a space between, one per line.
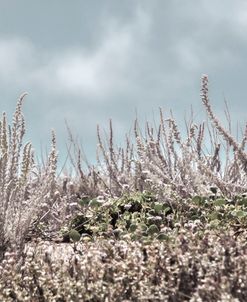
227, 136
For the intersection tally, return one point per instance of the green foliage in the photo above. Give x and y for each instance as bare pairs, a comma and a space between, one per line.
153, 229
219, 212
139, 214
74, 235
142, 215
219, 202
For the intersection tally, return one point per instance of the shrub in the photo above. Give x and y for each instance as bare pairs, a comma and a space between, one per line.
26, 192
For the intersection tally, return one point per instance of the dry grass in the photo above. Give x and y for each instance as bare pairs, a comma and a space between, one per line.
191, 268
25, 191
199, 262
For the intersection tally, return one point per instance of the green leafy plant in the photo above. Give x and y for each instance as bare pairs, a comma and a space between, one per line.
139, 214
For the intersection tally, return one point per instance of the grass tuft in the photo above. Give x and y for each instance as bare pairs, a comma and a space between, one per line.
160, 219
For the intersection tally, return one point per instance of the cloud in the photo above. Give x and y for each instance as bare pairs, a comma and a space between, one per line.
95, 74
74, 71
16, 58
163, 54
144, 56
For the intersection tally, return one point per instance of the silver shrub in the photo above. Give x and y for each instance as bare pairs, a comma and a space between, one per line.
25, 190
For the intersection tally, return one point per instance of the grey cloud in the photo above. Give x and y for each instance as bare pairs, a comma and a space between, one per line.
92, 61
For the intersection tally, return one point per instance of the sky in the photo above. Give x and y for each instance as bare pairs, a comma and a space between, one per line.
88, 61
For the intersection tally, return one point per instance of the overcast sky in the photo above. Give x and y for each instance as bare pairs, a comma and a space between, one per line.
88, 61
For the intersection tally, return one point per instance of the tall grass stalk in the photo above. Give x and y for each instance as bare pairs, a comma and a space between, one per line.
25, 191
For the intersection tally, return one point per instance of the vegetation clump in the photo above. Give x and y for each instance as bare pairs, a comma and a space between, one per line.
139, 215
142, 217
160, 219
